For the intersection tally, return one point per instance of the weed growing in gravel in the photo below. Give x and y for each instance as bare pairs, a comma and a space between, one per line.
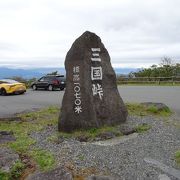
4, 175
14, 173
53, 138
44, 159
81, 157
143, 128
177, 157
17, 170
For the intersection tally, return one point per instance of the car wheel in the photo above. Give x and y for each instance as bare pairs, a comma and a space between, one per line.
50, 88
34, 87
61, 89
3, 92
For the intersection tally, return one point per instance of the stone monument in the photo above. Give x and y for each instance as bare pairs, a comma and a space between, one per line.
91, 97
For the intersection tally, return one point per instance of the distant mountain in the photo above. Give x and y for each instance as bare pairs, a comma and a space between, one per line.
124, 70
38, 72
28, 73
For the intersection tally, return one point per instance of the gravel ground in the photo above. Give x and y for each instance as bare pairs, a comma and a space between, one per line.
124, 160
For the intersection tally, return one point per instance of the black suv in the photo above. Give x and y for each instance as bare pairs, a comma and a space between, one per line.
49, 82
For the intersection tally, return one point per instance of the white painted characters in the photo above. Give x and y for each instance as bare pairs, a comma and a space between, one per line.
78, 109
97, 90
76, 69
77, 90
95, 49
96, 73
77, 102
95, 54
76, 73
76, 77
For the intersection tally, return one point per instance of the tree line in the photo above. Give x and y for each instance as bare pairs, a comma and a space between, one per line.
167, 68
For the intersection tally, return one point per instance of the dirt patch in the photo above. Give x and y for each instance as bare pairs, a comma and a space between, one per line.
30, 166
81, 173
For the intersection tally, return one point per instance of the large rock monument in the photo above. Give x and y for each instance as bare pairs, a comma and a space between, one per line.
91, 97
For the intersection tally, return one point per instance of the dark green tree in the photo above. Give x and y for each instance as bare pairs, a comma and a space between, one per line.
53, 73
165, 69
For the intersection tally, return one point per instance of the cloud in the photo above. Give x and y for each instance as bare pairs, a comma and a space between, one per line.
39, 32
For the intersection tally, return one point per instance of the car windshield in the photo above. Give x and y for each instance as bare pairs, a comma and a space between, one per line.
61, 78
9, 81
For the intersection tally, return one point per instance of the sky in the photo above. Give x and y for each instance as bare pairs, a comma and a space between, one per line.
136, 33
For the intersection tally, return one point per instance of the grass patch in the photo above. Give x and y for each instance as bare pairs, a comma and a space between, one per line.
136, 109
17, 170
152, 109
143, 128
22, 144
44, 159
96, 132
44, 113
177, 157
84, 135
34, 121
14, 173
4, 175
141, 110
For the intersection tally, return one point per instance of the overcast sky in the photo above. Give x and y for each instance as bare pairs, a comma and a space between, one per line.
137, 33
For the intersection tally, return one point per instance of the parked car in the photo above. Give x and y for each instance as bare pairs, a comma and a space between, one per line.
49, 82
9, 86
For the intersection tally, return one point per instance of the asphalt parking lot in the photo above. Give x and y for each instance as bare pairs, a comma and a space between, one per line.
32, 100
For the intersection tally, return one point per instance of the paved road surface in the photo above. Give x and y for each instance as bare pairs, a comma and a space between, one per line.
10, 105
170, 95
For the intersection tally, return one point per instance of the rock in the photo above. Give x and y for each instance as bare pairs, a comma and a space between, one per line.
91, 97
2, 133
167, 169
106, 135
102, 178
56, 174
116, 140
7, 159
83, 138
126, 129
6, 136
163, 177
159, 106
